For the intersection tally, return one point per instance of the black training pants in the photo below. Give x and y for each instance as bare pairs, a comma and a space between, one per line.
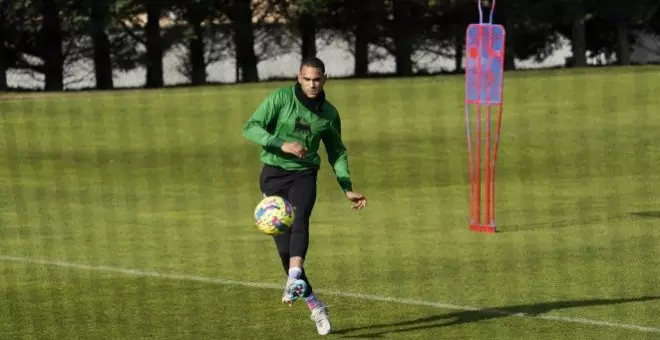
299, 188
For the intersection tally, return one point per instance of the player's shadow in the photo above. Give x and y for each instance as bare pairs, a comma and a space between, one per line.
470, 316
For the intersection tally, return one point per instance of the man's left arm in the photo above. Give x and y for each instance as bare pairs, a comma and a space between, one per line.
337, 155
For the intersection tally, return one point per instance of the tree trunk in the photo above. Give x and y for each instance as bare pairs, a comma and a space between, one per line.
102, 60
196, 46
154, 45
244, 41
623, 44
402, 38
3, 53
459, 46
363, 33
307, 30
51, 35
578, 36
361, 50
510, 45
197, 59
237, 71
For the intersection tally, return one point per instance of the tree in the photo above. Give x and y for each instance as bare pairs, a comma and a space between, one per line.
531, 29
571, 17
3, 50
246, 59
195, 16
99, 21
356, 22
307, 15
402, 32
448, 24
153, 43
51, 41
136, 32
616, 19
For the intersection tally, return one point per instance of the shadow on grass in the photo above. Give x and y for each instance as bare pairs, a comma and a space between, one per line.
464, 317
647, 214
578, 222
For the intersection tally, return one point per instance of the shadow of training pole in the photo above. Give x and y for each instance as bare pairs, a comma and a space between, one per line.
484, 82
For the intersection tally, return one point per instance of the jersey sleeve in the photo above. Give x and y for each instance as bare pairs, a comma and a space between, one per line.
337, 155
255, 129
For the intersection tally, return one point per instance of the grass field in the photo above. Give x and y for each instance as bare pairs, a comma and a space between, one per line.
127, 215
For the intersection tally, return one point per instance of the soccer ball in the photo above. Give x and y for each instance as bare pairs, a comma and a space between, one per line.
273, 215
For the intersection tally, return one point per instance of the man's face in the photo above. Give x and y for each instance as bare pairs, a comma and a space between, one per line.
311, 80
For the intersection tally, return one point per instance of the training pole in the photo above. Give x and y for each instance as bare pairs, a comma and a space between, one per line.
484, 63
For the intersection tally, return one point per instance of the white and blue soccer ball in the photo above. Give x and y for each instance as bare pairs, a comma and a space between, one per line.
273, 215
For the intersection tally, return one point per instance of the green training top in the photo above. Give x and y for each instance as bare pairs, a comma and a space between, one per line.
286, 115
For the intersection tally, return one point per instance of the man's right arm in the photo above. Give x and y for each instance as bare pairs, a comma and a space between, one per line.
255, 127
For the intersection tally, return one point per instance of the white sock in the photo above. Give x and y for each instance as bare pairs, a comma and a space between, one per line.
295, 272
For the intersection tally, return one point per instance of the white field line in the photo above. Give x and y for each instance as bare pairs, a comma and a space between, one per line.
368, 297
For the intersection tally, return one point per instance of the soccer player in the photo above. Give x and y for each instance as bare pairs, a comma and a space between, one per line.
289, 124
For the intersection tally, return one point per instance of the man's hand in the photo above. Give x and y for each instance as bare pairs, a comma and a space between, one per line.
294, 148
357, 198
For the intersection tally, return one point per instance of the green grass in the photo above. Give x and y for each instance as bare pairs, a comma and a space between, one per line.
162, 181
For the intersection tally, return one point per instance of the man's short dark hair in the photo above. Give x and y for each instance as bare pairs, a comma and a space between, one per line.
313, 62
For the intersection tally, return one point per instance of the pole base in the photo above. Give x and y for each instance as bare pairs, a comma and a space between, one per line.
483, 228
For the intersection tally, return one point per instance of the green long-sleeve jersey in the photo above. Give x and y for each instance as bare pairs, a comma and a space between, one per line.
284, 116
